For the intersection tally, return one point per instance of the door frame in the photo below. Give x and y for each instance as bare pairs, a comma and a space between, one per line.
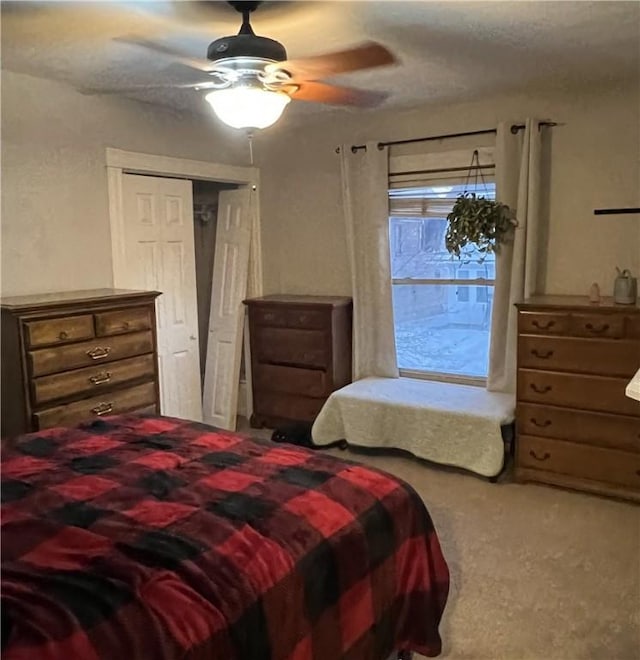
120, 162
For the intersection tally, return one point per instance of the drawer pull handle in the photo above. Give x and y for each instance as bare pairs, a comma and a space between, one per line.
540, 326
63, 335
102, 409
543, 355
543, 424
592, 328
540, 390
102, 377
126, 325
544, 456
99, 352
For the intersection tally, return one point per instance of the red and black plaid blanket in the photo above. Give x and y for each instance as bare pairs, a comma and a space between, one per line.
150, 537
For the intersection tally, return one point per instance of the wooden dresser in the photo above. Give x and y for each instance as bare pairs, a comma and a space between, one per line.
300, 353
68, 357
575, 426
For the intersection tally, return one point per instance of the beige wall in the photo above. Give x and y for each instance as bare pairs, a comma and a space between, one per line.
55, 224
595, 158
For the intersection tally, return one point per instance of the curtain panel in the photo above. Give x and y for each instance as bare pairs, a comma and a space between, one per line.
365, 183
518, 177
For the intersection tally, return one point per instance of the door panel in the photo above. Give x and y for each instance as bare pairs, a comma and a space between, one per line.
160, 255
230, 272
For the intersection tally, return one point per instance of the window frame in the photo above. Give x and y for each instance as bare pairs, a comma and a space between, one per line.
442, 376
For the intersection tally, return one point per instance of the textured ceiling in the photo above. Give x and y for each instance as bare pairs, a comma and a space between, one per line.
447, 50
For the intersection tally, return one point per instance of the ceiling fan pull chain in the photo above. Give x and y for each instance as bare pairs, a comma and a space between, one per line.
250, 138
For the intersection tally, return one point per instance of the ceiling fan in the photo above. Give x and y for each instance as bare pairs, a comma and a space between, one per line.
251, 80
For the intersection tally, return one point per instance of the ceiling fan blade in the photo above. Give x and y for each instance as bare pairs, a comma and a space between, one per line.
333, 95
163, 49
365, 56
90, 91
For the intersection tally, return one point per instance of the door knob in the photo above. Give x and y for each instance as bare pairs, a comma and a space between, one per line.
192, 337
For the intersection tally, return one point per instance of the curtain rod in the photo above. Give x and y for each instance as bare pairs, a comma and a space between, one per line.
486, 131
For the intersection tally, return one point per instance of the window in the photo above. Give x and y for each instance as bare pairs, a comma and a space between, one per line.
442, 306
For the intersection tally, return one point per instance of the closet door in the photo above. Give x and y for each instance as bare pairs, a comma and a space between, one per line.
159, 251
230, 272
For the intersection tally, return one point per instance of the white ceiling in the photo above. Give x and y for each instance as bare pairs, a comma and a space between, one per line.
447, 50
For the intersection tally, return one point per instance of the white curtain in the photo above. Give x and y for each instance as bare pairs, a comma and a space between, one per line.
518, 176
365, 182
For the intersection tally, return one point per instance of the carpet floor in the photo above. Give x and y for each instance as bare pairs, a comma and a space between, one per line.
537, 573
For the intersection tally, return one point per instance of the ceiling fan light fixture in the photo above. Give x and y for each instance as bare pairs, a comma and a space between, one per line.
248, 107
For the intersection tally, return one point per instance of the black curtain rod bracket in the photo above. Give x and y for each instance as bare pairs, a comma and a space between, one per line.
486, 131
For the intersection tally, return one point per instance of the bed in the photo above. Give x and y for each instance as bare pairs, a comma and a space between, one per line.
144, 537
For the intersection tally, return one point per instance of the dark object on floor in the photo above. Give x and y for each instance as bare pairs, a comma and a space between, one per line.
300, 434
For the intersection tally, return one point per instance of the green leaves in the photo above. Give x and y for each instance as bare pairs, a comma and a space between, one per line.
480, 222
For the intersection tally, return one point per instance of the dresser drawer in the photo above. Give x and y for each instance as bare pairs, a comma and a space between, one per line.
606, 465
603, 394
633, 326
308, 382
62, 358
597, 325
595, 356
91, 379
312, 319
286, 346
287, 406
58, 331
545, 323
123, 320
613, 431
113, 403
270, 316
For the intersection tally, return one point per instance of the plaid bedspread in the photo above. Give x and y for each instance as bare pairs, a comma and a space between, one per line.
150, 538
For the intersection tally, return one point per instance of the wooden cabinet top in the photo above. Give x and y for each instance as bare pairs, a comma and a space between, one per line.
575, 302
291, 299
66, 298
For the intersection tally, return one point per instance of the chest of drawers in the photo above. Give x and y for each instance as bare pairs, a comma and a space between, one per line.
73, 356
300, 353
575, 426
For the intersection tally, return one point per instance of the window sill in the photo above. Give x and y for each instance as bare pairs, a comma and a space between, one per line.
476, 381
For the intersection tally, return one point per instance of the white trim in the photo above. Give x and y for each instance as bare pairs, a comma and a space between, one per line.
119, 161
141, 163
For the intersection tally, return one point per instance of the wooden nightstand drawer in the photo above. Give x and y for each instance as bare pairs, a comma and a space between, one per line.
308, 318
597, 393
605, 465
285, 346
600, 429
270, 316
308, 382
123, 320
543, 323
112, 403
597, 325
92, 379
595, 356
62, 358
58, 331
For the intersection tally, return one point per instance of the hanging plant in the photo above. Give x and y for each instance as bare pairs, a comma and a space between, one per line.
477, 223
